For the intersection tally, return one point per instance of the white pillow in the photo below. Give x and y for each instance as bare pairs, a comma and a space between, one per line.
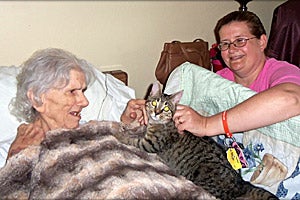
107, 97
9, 123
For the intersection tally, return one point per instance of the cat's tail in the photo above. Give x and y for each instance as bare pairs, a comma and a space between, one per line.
256, 193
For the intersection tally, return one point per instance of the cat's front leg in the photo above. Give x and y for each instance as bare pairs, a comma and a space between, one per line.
130, 135
134, 131
104, 127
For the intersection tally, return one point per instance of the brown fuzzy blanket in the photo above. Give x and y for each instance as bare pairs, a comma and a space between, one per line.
89, 163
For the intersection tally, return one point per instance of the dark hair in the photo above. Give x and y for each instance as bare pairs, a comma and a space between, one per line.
255, 26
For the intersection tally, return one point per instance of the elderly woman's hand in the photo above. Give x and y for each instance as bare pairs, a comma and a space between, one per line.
28, 134
135, 112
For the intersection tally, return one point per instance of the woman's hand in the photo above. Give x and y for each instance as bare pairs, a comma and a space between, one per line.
135, 112
186, 118
28, 134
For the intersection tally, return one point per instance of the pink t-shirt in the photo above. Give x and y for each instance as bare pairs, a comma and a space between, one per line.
273, 73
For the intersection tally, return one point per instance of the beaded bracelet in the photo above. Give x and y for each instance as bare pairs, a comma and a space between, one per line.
225, 124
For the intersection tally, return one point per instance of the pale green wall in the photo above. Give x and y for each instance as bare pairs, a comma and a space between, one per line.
113, 34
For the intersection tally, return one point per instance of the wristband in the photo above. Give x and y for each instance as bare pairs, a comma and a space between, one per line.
225, 124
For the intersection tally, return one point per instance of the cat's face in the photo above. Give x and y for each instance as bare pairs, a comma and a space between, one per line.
160, 107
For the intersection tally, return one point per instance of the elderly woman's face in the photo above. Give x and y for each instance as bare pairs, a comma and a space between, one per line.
62, 106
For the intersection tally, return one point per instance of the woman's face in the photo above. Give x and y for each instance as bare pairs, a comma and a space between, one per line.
62, 106
242, 59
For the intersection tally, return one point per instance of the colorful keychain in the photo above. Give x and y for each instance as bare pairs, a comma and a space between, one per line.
234, 152
233, 158
240, 154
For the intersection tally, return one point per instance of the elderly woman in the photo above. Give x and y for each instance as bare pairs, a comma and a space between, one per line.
50, 95
242, 40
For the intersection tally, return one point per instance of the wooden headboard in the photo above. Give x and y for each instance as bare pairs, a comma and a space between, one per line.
119, 74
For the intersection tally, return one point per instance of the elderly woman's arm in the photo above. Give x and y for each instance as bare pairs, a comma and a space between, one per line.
268, 107
28, 134
135, 112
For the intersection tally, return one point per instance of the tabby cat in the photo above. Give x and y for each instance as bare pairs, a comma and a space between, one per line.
199, 159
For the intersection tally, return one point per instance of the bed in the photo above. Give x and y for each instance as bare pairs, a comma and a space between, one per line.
87, 162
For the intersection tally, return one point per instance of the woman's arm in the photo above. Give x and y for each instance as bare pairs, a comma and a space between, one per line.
135, 112
265, 108
28, 134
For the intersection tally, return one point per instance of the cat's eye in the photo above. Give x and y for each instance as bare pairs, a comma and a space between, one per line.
166, 108
154, 103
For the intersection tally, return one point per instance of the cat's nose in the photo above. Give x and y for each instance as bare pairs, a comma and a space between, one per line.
158, 111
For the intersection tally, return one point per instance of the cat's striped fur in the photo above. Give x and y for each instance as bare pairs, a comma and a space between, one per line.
199, 159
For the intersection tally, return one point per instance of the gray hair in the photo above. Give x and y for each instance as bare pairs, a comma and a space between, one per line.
45, 70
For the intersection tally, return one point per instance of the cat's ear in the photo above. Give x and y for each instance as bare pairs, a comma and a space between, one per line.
155, 91
175, 98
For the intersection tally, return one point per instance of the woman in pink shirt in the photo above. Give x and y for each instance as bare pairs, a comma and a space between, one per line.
242, 40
